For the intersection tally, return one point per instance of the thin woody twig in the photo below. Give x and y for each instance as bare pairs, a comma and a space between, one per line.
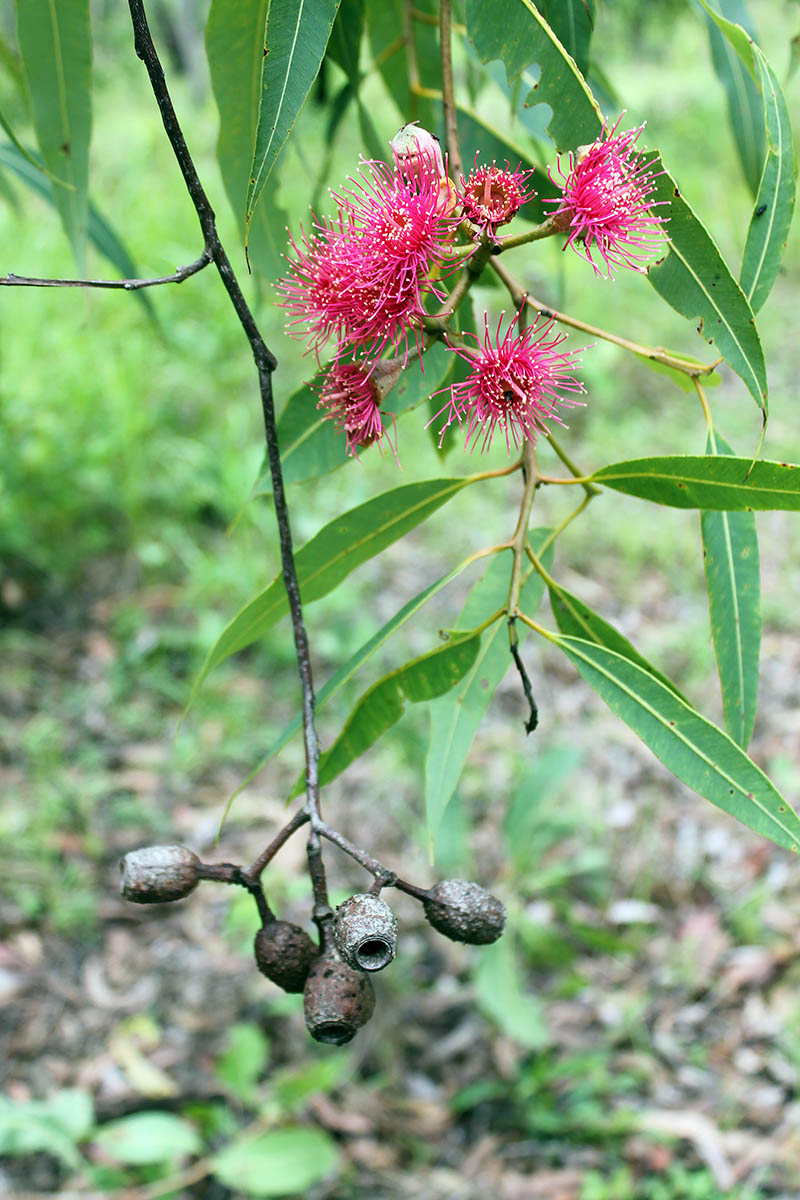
125, 285
448, 93
265, 363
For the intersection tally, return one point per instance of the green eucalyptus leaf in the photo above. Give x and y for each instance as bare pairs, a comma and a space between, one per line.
692, 748
235, 36
744, 102
297, 34
148, 1137
517, 33
280, 1162
697, 481
355, 662
385, 23
572, 21
384, 703
576, 619
502, 996
55, 41
456, 716
342, 545
730, 557
774, 203
694, 279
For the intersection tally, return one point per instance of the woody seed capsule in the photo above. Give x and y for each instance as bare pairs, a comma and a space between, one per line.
284, 953
337, 1000
158, 873
365, 930
463, 911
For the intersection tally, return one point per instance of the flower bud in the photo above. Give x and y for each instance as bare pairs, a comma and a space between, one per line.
284, 953
365, 930
337, 1000
158, 873
465, 912
418, 153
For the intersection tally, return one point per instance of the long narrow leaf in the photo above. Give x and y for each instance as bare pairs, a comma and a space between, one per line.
694, 279
774, 204
384, 703
296, 38
572, 21
692, 748
576, 619
730, 557
344, 544
55, 42
697, 481
235, 34
455, 718
744, 102
355, 662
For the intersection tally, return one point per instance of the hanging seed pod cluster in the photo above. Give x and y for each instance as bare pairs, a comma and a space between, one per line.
353, 943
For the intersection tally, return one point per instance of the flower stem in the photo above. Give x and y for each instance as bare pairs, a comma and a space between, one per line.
448, 95
653, 353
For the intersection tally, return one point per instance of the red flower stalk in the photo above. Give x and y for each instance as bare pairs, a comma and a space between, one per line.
490, 197
514, 385
604, 203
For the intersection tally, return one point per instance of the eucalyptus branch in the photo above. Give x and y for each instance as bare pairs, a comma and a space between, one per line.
653, 353
126, 285
448, 94
578, 475
382, 874
255, 871
265, 364
547, 228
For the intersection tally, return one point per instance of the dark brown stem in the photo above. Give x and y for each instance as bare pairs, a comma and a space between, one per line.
255, 871
383, 875
265, 363
126, 285
231, 873
319, 885
533, 718
448, 91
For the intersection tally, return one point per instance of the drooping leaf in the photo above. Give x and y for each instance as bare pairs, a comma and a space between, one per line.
515, 32
456, 716
235, 38
744, 102
384, 703
692, 748
572, 21
730, 557
297, 34
102, 235
32, 158
280, 1162
774, 204
341, 546
55, 42
576, 619
697, 481
357, 660
148, 1137
695, 280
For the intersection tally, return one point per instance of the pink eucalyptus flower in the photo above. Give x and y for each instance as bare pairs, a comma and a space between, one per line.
490, 197
514, 384
604, 203
350, 397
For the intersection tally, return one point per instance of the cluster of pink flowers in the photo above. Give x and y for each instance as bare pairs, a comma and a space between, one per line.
362, 279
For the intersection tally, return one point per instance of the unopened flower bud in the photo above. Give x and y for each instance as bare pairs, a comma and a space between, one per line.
365, 930
284, 953
337, 1000
158, 873
465, 912
418, 153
